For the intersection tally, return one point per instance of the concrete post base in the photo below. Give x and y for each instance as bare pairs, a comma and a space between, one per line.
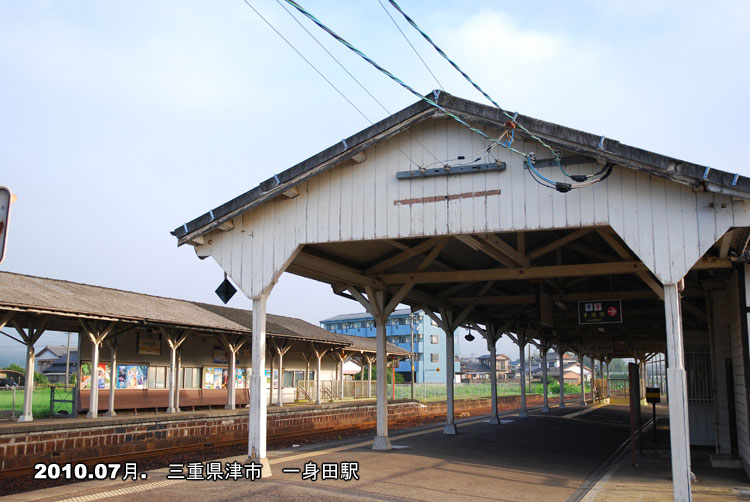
26, 418
228, 406
545, 409
89, 414
110, 414
493, 420
562, 406
523, 414
173, 410
381, 443
450, 429
265, 469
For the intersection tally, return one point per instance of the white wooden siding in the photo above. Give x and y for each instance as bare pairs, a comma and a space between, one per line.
720, 352
740, 399
667, 225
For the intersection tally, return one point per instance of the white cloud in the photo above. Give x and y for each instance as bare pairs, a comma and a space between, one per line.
166, 67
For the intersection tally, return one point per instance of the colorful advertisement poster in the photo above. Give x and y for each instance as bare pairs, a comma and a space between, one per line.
85, 375
208, 378
103, 376
149, 343
122, 376
137, 376
218, 378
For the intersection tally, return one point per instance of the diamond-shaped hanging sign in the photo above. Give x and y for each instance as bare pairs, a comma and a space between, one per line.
226, 291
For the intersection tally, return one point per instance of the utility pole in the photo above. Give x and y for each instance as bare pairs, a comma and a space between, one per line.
67, 363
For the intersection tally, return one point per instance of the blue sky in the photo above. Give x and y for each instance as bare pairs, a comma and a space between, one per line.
121, 121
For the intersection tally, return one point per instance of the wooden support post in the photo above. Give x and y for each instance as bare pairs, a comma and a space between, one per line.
319, 353
393, 380
174, 338
177, 383
256, 448
272, 356
30, 337
112, 377
369, 377
561, 358
232, 346
543, 349
281, 350
96, 333
580, 363
380, 306
521, 347
677, 386
491, 333
381, 441
449, 321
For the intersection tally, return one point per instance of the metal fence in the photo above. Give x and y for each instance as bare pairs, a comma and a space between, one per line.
699, 375
330, 390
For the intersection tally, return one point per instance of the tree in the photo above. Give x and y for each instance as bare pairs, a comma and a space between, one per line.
618, 366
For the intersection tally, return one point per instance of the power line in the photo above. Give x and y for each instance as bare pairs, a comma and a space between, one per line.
394, 78
476, 86
353, 78
577, 178
306, 60
529, 158
410, 44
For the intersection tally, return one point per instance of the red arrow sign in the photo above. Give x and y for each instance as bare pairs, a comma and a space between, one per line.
612, 311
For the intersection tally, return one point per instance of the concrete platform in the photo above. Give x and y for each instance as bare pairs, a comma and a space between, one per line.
542, 457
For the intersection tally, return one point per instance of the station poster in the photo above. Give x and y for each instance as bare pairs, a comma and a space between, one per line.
102, 375
216, 378
132, 376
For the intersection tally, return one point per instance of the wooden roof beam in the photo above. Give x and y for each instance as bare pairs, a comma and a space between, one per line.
623, 253
541, 251
342, 272
495, 274
405, 255
503, 247
485, 248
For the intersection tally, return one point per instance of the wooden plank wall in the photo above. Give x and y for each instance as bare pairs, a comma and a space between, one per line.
668, 225
740, 395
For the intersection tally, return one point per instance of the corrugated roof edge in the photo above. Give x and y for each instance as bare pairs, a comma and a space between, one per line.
564, 137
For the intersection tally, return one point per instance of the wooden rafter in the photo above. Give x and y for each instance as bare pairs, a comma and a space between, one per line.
494, 274
541, 251
500, 245
485, 248
623, 253
404, 255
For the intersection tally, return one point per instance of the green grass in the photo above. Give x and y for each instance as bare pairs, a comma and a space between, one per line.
40, 401
437, 392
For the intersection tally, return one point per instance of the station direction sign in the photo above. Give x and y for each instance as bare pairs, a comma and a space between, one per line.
599, 312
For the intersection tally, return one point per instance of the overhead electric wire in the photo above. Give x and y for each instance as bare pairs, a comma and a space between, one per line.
307, 61
577, 178
467, 77
410, 44
393, 77
559, 186
382, 106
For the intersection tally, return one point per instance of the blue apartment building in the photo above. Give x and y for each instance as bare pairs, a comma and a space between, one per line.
429, 340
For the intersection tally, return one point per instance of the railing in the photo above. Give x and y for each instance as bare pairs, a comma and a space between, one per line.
11, 399
61, 401
357, 389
